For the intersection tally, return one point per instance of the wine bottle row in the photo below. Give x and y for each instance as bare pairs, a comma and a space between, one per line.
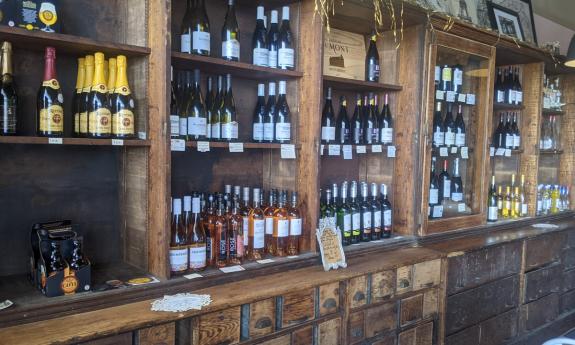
214, 118
216, 230
367, 125
448, 132
363, 218
507, 86
446, 191
550, 134
507, 134
270, 47
552, 199
509, 205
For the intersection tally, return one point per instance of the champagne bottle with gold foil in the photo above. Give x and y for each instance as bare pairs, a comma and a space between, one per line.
123, 118
8, 94
85, 95
50, 101
99, 114
76, 101
112, 68
106, 70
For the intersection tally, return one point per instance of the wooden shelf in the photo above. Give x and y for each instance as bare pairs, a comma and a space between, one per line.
39, 40
213, 65
513, 152
505, 106
553, 112
368, 150
550, 152
225, 145
72, 141
345, 84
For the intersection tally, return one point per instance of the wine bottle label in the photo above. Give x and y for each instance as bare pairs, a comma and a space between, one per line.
437, 73
516, 141
240, 247
286, 57
387, 218
246, 228
123, 122
460, 139
223, 249
186, 43
507, 205
357, 132
499, 204
198, 255
183, 126
492, 213
373, 72
261, 57
458, 77
386, 135
433, 196
174, 125
196, 205
282, 228
457, 197
259, 233
52, 83
100, 121
356, 223
377, 220
500, 96
273, 59
283, 131
509, 141
84, 122
258, 132
446, 74
449, 138
230, 130
327, 133
197, 126
295, 225
178, 259
208, 131
52, 119
268, 131
347, 223
201, 41
511, 97
367, 220
269, 221
216, 131
518, 97
76, 123
446, 189
233, 248
231, 49
523, 209
438, 138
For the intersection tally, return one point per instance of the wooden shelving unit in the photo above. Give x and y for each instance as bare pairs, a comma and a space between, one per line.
74, 141
552, 112
346, 84
253, 146
507, 107
550, 152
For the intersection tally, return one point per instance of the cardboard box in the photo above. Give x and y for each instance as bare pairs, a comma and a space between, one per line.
344, 54
26, 14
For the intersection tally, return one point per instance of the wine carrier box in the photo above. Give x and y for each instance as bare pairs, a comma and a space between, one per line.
66, 281
25, 14
344, 54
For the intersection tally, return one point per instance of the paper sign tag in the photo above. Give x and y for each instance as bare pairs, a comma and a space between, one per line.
292, 256
461, 98
230, 269
361, 149
203, 146
507, 153
117, 142
321, 150
55, 141
376, 149
450, 97
193, 276
443, 152
265, 261
492, 151
178, 145
500, 152
329, 240
454, 150
236, 147
465, 152
471, 99
347, 152
142, 135
437, 211
333, 150
391, 151
461, 207
287, 151
6, 304
440, 95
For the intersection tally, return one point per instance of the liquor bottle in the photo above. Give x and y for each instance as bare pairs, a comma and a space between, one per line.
500, 198
55, 263
446, 78
516, 133
85, 96
231, 34
228, 118
245, 213
492, 210
259, 41
456, 183
259, 116
356, 123
334, 203
273, 41
444, 183
518, 88
123, 107
328, 120
256, 229
343, 126
372, 60
99, 114
271, 114
459, 128
509, 139
457, 78
174, 112
500, 87
344, 216
355, 214
283, 118
178, 243
208, 105
235, 224
295, 226
433, 185
516, 207
366, 216
387, 213
449, 126
523, 199
76, 100
286, 55
196, 112
50, 101
221, 232
208, 222
269, 225
78, 259
368, 122
386, 123
281, 226
216, 110
196, 238
112, 75
376, 216
438, 127
507, 203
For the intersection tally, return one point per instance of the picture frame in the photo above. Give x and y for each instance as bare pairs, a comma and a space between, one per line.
466, 10
505, 21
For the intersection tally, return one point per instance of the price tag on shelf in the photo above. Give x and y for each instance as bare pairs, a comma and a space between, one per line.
461, 97
507, 153
454, 150
376, 149
470, 99
321, 150
461, 207
440, 95
55, 141
491, 151
178, 145
142, 135
391, 151
230, 269
361, 149
437, 211
443, 152
203, 146
347, 152
6, 304
500, 152
292, 256
333, 150
117, 142
236, 147
287, 151
450, 97
193, 276
464, 152
265, 261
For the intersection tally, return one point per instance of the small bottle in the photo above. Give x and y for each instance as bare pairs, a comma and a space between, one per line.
78, 259
56, 263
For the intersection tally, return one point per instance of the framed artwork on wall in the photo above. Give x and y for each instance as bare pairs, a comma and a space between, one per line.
505, 21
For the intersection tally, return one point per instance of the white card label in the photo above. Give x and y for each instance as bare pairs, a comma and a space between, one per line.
178, 145
470, 99
450, 97
333, 150
347, 152
440, 95
55, 141
465, 152
231, 269
142, 135
461, 98
376, 149
117, 142
203, 146
321, 150
361, 149
507, 153
437, 211
500, 152
193, 276
391, 151
236, 147
265, 261
287, 151
492, 151
461, 207
443, 152
454, 149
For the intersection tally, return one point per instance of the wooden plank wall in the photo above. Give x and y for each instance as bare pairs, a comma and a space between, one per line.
567, 162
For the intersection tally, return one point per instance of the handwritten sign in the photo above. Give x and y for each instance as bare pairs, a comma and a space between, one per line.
329, 239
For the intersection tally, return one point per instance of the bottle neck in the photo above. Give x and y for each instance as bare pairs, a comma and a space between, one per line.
99, 74
122, 77
6, 62
49, 69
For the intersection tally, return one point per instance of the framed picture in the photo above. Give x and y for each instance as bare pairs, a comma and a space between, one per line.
524, 10
465, 10
505, 21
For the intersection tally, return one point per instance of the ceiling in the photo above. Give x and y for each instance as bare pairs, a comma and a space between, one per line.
559, 11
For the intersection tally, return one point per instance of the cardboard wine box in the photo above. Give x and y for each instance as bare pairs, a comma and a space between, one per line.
31, 14
344, 54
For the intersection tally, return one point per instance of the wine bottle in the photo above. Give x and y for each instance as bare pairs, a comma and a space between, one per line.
281, 226
208, 104
295, 226
245, 209
355, 214
99, 114
231, 34
50, 101
518, 88
112, 75
372, 60
499, 87
273, 41
507, 203
184, 100
327, 212
523, 199
271, 114
283, 118
459, 128
123, 107
196, 112
368, 120
516, 208
178, 245
196, 31
342, 128
516, 133
386, 123
437, 78
85, 96
387, 214
449, 126
256, 228
9, 95
328, 120
499, 134
492, 209
344, 216
374, 108
366, 216
269, 225
76, 100
221, 232
457, 78
286, 56
456, 183
444, 183
187, 28
446, 78
208, 221
196, 238
259, 115
433, 185
356, 123
259, 41
229, 123
510, 95
438, 127
216, 110
509, 139
235, 223
499, 201
376, 216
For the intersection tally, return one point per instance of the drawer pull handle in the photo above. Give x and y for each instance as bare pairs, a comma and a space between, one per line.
264, 322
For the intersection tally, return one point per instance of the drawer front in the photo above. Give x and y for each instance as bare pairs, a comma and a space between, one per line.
262, 318
411, 310
329, 299
382, 286
380, 319
543, 250
542, 281
157, 335
540, 312
298, 307
329, 332
221, 327
357, 292
426, 274
420, 335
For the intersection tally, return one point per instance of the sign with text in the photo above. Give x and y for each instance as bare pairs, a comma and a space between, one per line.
329, 239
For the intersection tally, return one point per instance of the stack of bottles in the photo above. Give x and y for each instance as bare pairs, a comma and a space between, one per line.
507, 87
551, 94
510, 204
552, 199
367, 125
220, 229
549, 134
507, 134
446, 192
359, 218
448, 132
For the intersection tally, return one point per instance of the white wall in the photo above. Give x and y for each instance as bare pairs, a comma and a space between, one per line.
548, 31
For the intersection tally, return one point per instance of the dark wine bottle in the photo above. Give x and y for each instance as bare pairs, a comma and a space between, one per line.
386, 214
85, 96
433, 187
449, 126
196, 111
499, 134
196, 31
208, 104
356, 123
273, 40
509, 140
446, 78
216, 111
374, 108
50, 101
328, 120
368, 120
271, 114
492, 208
174, 112
456, 183
516, 133
259, 115
372, 60
231, 34
444, 183
438, 128
228, 118
343, 126
259, 41
518, 88
386, 123
286, 55
283, 118
9, 95
366, 216
457, 78
459, 128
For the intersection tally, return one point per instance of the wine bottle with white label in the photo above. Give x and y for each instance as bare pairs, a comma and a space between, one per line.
456, 183
259, 116
281, 226
386, 123
366, 216
492, 208
375, 213
270, 114
449, 126
174, 115
459, 128
196, 111
328, 120
208, 104
50, 101
273, 41
343, 126
355, 214
356, 123
457, 78
444, 183
386, 213
178, 243
438, 128
231, 34
229, 122
372, 60
516, 133
256, 229
433, 188
216, 111
344, 216
286, 55
259, 41
295, 226
196, 238
283, 118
